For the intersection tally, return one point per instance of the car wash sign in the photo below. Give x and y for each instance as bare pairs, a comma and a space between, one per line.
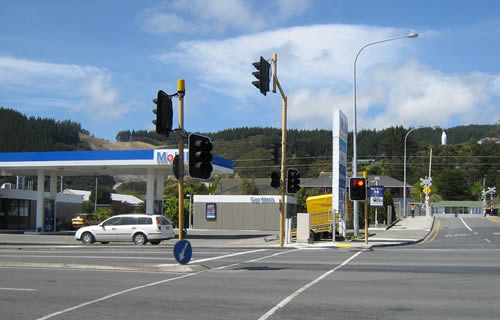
339, 163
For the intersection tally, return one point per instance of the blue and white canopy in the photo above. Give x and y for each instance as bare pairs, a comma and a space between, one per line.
95, 163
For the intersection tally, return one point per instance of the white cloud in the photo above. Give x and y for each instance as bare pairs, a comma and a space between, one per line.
86, 89
219, 16
418, 94
307, 56
15, 71
315, 68
165, 23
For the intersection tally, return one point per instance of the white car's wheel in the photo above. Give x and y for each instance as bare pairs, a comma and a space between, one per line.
87, 238
140, 239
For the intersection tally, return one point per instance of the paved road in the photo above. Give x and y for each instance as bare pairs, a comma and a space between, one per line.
454, 273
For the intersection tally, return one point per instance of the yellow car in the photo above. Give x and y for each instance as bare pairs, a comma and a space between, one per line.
83, 220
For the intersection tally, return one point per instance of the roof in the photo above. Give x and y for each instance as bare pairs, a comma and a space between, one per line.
325, 181
468, 204
114, 196
96, 163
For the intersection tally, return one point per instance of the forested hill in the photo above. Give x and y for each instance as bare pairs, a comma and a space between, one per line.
251, 148
311, 150
21, 134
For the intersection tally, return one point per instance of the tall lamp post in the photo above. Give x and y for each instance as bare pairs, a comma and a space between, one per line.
404, 168
355, 130
404, 179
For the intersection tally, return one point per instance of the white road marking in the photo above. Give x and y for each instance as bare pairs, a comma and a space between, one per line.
255, 260
55, 314
86, 257
18, 289
226, 256
285, 301
465, 224
487, 240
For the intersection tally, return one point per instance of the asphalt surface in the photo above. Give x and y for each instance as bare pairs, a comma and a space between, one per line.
452, 272
404, 231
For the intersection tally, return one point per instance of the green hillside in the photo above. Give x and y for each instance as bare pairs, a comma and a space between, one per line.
379, 151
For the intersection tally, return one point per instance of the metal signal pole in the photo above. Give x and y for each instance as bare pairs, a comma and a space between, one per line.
181, 92
283, 149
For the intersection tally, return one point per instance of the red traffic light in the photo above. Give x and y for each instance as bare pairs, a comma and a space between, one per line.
358, 189
358, 183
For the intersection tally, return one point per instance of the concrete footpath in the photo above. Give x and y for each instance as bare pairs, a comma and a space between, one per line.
405, 231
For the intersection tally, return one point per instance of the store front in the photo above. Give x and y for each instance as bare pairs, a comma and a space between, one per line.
15, 214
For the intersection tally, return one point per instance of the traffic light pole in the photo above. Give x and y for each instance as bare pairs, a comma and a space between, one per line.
181, 92
283, 148
365, 175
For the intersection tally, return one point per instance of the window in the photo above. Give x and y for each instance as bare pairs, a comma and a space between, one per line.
144, 220
112, 221
164, 221
128, 221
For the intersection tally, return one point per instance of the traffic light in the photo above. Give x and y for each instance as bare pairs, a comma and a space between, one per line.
262, 75
200, 156
275, 179
163, 113
358, 189
293, 180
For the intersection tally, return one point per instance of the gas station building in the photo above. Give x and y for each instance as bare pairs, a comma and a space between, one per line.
38, 210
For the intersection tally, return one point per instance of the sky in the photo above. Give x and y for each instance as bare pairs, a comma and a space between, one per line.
100, 63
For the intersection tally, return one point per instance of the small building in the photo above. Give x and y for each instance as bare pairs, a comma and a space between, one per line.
457, 208
233, 212
18, 207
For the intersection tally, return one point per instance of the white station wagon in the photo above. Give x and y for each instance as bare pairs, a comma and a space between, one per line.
138, 228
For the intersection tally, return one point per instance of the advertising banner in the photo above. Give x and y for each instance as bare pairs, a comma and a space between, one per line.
377, 196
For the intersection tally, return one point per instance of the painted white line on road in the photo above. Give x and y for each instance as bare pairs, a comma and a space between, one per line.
86, 257
255, 260
465, 224
17, 289
55, 314
487, 240
285, 301
273, 255
476, 233
496, 233
226, 256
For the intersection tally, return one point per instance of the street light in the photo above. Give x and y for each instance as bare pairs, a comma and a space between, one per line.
355, 130
404, 165
404, 168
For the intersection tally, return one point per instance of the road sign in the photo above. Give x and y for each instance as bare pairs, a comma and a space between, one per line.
427, 190
376, 196
183, 251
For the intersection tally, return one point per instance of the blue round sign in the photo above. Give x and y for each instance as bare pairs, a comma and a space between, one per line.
183, 251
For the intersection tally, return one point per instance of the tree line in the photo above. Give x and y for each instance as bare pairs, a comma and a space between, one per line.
22, 134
